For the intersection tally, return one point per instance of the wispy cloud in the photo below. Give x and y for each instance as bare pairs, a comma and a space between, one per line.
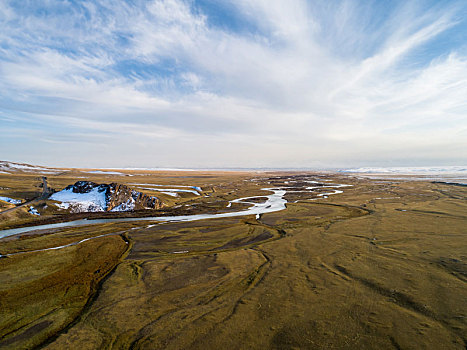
248, 83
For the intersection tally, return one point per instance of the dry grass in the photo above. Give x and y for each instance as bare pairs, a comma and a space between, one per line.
43, 292
382, 266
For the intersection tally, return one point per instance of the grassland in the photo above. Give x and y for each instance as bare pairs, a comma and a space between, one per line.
380, 266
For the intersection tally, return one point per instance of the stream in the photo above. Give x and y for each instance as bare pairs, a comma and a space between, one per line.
274, 202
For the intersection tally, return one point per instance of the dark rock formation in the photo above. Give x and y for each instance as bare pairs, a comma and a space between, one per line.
122, 198
118, 197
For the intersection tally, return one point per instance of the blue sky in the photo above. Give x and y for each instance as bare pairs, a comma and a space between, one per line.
244, 83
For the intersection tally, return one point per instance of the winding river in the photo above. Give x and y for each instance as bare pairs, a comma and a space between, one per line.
274, 202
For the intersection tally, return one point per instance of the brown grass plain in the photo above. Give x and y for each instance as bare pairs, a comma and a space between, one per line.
380, 266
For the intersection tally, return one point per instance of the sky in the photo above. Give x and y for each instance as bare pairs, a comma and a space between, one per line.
228, 84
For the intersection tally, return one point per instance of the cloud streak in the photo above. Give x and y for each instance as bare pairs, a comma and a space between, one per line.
251, 83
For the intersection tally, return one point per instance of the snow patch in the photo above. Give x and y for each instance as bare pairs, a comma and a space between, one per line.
127, 206
10, 200
173, 194
33, 211
93, 200
105, 172
169, 190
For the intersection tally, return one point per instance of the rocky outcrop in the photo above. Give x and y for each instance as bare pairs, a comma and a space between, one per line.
123, 198
88, 196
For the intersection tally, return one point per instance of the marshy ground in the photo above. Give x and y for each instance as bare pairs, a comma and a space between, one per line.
380, 266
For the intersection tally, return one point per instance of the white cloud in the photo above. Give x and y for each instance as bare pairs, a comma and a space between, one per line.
305, 80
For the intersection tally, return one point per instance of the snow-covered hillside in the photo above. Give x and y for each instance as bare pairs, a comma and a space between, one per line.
94, 200
433, 170
12, 167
